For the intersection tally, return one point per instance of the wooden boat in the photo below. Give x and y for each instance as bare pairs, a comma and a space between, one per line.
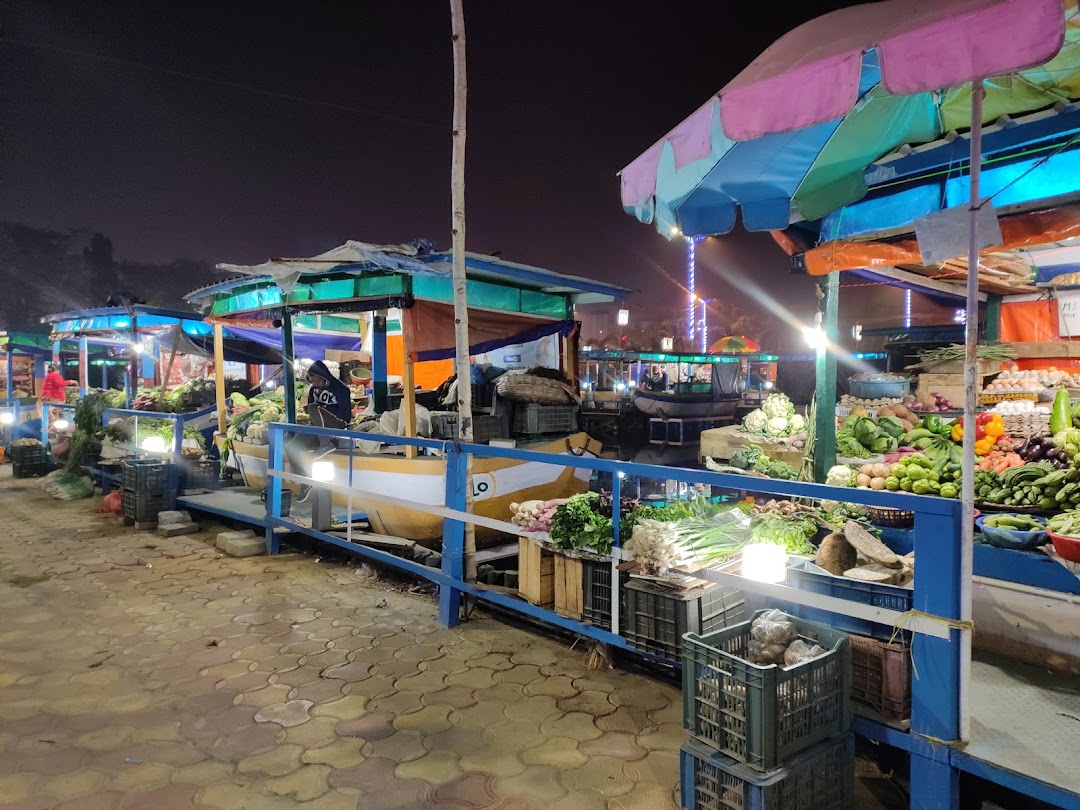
496, 484
669, 405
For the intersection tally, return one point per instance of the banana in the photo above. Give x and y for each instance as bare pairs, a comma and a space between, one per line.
916, 435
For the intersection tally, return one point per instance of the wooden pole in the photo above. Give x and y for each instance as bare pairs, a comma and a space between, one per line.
408, 383
219, 376
461, 306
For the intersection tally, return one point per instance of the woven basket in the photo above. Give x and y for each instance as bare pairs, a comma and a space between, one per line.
522, 387
891, 518
1026, 425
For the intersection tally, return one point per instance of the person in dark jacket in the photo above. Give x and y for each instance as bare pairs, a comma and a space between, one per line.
329, 404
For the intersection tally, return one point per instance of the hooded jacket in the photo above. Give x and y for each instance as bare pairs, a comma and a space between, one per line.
335, 397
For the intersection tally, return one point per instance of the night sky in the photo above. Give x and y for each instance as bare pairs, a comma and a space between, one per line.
238, 131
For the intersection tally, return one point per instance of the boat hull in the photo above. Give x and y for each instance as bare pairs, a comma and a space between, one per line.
497, 483
684, 406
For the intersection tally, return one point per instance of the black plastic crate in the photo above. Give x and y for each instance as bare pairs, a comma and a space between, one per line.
655, 617
34, 469
447, 425
202, 474
144, 508
28, 454
822, 778
764, 715
533, 419
596, 591
148, 476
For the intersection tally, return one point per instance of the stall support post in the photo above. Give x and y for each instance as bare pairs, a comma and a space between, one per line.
935, 693
219, 377
178, 440
45, 423
288, 366
378, 360
993, 318
105, 376
453, 544
56, 355
274, 463
84, 366
408, 383
10, 392
825, 376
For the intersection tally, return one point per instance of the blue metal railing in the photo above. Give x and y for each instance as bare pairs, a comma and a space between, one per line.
936, 647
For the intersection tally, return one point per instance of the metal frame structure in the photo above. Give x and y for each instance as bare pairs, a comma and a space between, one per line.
936, 622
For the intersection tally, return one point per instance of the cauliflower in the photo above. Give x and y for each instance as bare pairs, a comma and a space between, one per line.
777, 426
755, 421
778, 405
798, 423
841, 476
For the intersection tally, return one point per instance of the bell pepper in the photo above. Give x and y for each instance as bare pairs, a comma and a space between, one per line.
957, 432
984, 445
995, 426
934, 424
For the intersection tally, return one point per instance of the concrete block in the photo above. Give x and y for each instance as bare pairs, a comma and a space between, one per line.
176, 529
225, 537
243, 546
173, 516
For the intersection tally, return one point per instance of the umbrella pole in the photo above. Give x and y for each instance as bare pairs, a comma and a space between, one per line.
971, 335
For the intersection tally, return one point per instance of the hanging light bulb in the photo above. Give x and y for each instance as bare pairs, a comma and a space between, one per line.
814, 335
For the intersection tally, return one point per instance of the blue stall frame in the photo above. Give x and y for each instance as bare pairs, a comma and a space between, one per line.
937, 629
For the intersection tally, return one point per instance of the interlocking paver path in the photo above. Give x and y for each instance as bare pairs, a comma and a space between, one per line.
139, 672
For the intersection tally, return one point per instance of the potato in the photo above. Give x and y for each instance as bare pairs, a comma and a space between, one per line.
886, 411
908, 425
877, 483
901, 412
881, 471
866, 469
863, 479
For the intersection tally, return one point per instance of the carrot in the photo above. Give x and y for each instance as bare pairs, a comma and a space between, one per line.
1001, 466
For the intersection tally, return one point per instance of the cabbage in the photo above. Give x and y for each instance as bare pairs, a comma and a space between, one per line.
755, 421
778, 405
777, 426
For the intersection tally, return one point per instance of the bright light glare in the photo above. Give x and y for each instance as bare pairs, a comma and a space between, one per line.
769, 385
619, 386
7, 419
61, 424
764, 562
675, 230
269, 385
138, 348
624, 317
323, 471
814, 337
154, 444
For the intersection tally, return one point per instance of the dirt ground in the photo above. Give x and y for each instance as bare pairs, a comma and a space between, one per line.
140, 672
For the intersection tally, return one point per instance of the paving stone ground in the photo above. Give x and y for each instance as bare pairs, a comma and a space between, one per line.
143, 673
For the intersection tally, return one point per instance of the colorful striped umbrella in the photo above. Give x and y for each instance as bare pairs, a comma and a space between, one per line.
733, 343
796, 135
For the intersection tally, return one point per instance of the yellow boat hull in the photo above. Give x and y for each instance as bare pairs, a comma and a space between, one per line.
497, 483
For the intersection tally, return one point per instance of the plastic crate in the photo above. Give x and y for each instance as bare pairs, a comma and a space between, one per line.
596, 592
805, 576
878, 389
762, 715
202, 474
28, 454
33, 469
881, 676
655, 618
533, 419
142, 508
822, 778
147, 476
447, 425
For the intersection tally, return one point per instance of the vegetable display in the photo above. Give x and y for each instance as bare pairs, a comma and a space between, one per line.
862, 437
578, 524
1066, 523
775, 419
751, 457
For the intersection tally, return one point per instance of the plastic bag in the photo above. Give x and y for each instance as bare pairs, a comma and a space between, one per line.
773, 627
763, 654
800, 651
113, 503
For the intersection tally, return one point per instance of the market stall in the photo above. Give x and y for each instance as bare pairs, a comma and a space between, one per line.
873, 178
513, 305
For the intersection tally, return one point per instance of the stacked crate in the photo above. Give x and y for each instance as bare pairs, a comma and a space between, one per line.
766, 736
149, 488
29, 460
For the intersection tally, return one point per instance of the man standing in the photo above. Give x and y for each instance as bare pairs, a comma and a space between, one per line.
329, 404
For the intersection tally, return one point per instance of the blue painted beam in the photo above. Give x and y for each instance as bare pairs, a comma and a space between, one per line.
955, 154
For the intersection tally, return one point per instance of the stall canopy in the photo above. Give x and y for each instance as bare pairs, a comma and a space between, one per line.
827, 116
117, 322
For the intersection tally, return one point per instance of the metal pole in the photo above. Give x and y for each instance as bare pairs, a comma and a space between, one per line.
967, 488
287, 368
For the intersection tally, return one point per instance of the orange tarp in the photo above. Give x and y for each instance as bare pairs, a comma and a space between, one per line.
1017, 231
428, 375
1033, 322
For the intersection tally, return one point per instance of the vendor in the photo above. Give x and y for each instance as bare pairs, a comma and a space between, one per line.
53, 385
328, 405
